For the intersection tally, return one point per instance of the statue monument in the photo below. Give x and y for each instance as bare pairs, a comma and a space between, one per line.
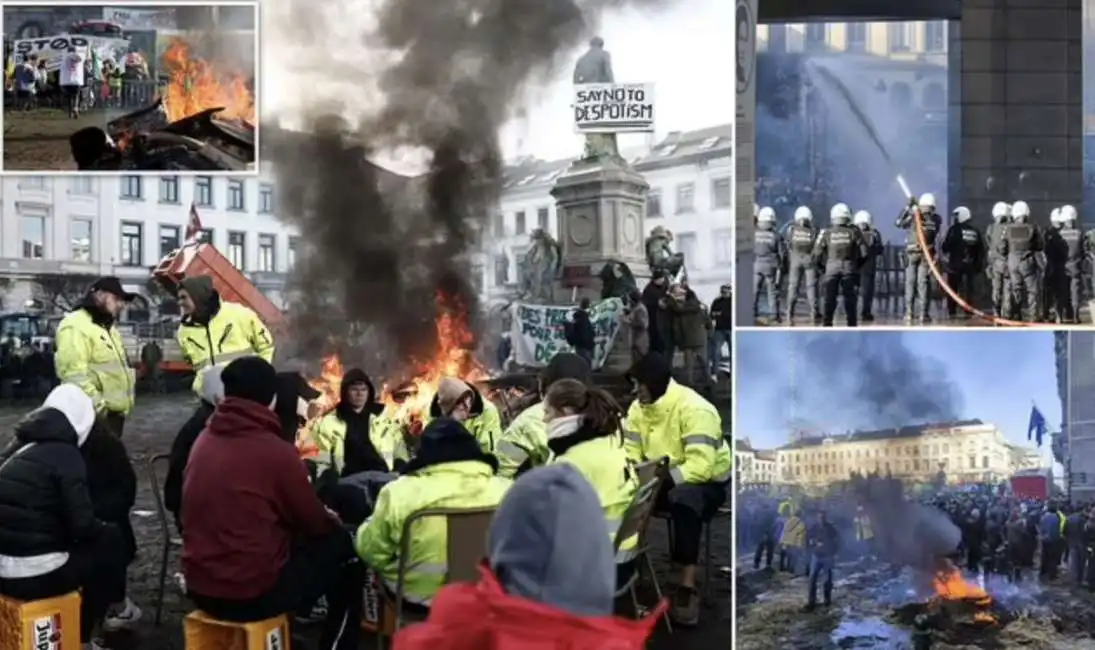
541, 267
660, 256
601, 198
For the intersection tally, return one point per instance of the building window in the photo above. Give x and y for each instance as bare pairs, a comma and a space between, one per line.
501, 270
169, 189
235, 195
292, 256
266, 198
654, 203
724, 250
686, 243
857, 36
169, 239
720, 192
973, 462
935, 36
815, 36
686, 198
900, 37
519, 222
205, 235
33, 230
80, 239
984, 462
83, 185
498, 222
132, 244
237, 245
203, 191
131, 187
542, 218
268, 245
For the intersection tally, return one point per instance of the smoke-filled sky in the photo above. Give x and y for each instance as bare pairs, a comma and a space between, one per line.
681, 46
874, 380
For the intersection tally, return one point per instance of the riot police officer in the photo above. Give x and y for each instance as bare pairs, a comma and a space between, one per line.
842, 249
1022, 242
872, 240
918, 284
1069, 250
801, 238
1054, 270
965, 251
768, 254
997, 266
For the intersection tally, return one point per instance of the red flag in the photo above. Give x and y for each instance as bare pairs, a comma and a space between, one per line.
194, 225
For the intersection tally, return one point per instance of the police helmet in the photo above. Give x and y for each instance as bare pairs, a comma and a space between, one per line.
961, 214
803, 213
766, 215
840, 214
1068, 213
927, 200
862, 218
1000, 210
1055, 216
1020, 210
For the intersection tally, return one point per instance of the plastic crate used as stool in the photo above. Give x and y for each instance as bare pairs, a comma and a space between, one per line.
49, 623
203, 632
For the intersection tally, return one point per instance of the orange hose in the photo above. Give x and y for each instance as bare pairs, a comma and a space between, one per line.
922, 242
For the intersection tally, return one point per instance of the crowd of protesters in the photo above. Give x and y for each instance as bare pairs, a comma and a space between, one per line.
81, 82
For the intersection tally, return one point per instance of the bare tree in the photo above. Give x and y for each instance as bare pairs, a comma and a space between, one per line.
61, 291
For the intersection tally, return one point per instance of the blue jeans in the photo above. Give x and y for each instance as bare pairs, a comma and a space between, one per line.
714, 353
818, 566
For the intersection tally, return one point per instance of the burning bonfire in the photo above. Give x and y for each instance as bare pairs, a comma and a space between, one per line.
408, 401
195, 85
959, 611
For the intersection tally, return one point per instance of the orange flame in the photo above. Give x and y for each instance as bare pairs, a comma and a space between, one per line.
950, 585
408, 403
196, 85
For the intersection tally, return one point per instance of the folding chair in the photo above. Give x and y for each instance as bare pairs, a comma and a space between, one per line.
635, 522
167, 541
466, 543
707, 554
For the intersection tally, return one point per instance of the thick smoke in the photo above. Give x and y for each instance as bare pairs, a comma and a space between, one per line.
380, 248
859, 382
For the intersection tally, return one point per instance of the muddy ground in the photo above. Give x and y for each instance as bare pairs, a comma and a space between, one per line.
150, 432
867, 595
37, 140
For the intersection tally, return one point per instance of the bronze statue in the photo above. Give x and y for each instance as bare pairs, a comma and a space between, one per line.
617, 281
541, 267
595, 67
660, 255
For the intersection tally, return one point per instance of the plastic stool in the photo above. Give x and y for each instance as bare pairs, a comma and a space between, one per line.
203, 632
49, 623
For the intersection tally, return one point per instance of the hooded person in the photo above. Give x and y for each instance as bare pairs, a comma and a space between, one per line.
257, 541
354, 438
524, 443
668, 420
212, 392
535, 591
293, 403
214, 331
450, 471
461, 401
90, 352
51, 543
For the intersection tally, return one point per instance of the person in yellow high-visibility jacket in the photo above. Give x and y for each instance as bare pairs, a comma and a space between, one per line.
864, 534
668, 420
792, 545
216, 332
355, 437
460, 401
90, 353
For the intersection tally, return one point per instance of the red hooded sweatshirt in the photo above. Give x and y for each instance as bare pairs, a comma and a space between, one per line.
245, 498
483, 617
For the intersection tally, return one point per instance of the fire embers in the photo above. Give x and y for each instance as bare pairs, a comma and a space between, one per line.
960, 613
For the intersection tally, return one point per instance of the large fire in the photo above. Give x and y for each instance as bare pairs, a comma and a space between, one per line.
408, 402
196, 85
949, 585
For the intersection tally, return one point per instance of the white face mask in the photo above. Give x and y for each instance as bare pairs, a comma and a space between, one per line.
564, 426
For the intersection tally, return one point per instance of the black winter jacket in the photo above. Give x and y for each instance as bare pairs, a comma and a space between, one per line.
45, 503
180, 453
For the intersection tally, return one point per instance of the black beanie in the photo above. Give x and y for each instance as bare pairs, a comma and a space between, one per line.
250, 378
565, 365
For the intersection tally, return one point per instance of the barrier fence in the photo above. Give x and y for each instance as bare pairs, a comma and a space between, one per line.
130, 96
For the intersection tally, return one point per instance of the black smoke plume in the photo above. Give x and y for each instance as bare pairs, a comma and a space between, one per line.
845, 382
378, 249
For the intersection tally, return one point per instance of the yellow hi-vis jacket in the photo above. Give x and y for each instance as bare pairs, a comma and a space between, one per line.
863, 528
604, 463
486, 427
235, 331
524, 439
786, 508
330, 437
462, 484
93, 357
794, 533
685, 427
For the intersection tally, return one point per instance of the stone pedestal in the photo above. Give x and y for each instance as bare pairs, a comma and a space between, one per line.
601, 206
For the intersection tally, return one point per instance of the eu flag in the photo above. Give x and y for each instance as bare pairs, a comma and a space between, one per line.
1037, 425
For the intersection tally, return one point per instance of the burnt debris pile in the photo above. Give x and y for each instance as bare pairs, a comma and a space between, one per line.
954, 621
146, 140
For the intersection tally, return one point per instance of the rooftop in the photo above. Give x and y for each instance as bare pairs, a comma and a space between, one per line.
911, 431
